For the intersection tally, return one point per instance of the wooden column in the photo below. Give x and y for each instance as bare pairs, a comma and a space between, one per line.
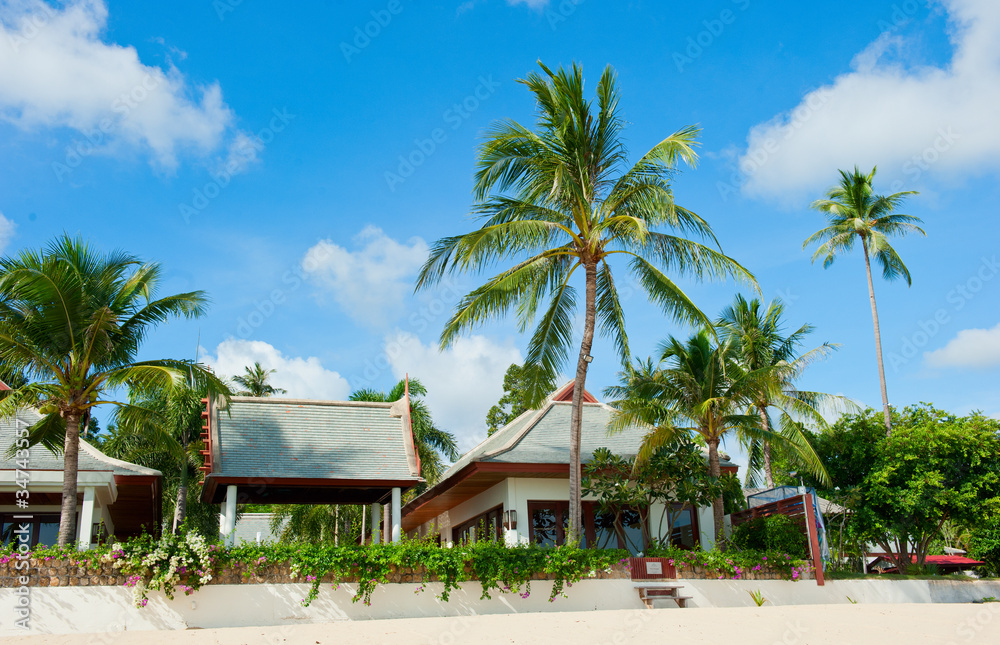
817, 555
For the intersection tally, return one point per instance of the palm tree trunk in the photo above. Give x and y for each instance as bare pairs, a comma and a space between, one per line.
576, 418
765, 423
878, 342
718, 511
71, 461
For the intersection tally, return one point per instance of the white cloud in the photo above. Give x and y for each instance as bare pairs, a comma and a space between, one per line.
532, 4
56, 71
463, 382
371, 283
7, 230
304, 378
907, 119
970, 348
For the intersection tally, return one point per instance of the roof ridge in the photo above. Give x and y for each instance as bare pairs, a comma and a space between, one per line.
92, 451
277, 400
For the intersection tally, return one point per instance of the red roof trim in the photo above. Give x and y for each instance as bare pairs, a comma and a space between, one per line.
565, 394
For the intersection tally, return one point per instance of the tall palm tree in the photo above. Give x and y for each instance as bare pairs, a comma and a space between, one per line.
430, 441
73, 320
168, 422
254, 382
854, 212
698, 389
759, 344
562, 198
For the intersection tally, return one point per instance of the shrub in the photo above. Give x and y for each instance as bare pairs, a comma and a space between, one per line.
774, 533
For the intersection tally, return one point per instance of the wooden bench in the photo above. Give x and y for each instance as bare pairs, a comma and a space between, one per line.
650, 591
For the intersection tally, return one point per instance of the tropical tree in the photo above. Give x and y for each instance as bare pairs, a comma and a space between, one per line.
73, 320
254, 382
760, 346
432, 443
854, 212
517, 384
562, 199
699, 389
166, 424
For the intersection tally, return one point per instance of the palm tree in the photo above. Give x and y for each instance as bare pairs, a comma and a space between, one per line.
698, 389
168, 423
254, 382
758, 343
73, 321
854, 212
562, 199
430, 441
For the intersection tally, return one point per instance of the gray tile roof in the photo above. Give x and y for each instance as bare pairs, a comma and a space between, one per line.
542, 437
272, 437
39, 458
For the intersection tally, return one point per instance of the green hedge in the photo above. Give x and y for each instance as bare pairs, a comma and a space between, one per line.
774, 533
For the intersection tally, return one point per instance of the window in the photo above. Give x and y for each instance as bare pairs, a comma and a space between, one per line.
489, 525
549, 521
41, 529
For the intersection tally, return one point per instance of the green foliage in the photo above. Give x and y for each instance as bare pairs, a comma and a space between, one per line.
734, 564
674, 474
254, 382
985, 545
517, 383
758, 597
934, 468
772, 533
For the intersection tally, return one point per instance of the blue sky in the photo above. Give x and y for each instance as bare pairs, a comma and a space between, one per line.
258, 152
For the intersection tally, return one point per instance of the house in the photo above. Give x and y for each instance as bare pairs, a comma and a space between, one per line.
945, 564
114, 497
296, 451
516, 484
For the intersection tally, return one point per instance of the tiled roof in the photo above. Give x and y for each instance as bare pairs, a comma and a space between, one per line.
277, 438
39, 458
542, 437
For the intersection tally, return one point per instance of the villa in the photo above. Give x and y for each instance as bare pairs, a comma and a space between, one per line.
515, 484
114, 497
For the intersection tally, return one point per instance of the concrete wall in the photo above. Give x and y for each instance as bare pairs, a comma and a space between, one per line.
102, 609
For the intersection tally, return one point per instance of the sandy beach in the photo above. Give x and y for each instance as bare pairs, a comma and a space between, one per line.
841, 624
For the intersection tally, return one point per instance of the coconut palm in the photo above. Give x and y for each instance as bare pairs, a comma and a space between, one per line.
167, 424
430, 441
562, 199
73, 320
758, 344
854, 212
254, 382
698, 389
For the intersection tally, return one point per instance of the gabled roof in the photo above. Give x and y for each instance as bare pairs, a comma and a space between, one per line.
90, 460
303, 443
535, 444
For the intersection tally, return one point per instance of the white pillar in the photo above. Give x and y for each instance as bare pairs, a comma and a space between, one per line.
230, 515
86, 518
376, 523
222, 519
397, 517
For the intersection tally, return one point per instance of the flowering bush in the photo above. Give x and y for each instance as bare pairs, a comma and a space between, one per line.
185, 560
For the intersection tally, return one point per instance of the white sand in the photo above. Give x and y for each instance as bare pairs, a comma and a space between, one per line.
803, 624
